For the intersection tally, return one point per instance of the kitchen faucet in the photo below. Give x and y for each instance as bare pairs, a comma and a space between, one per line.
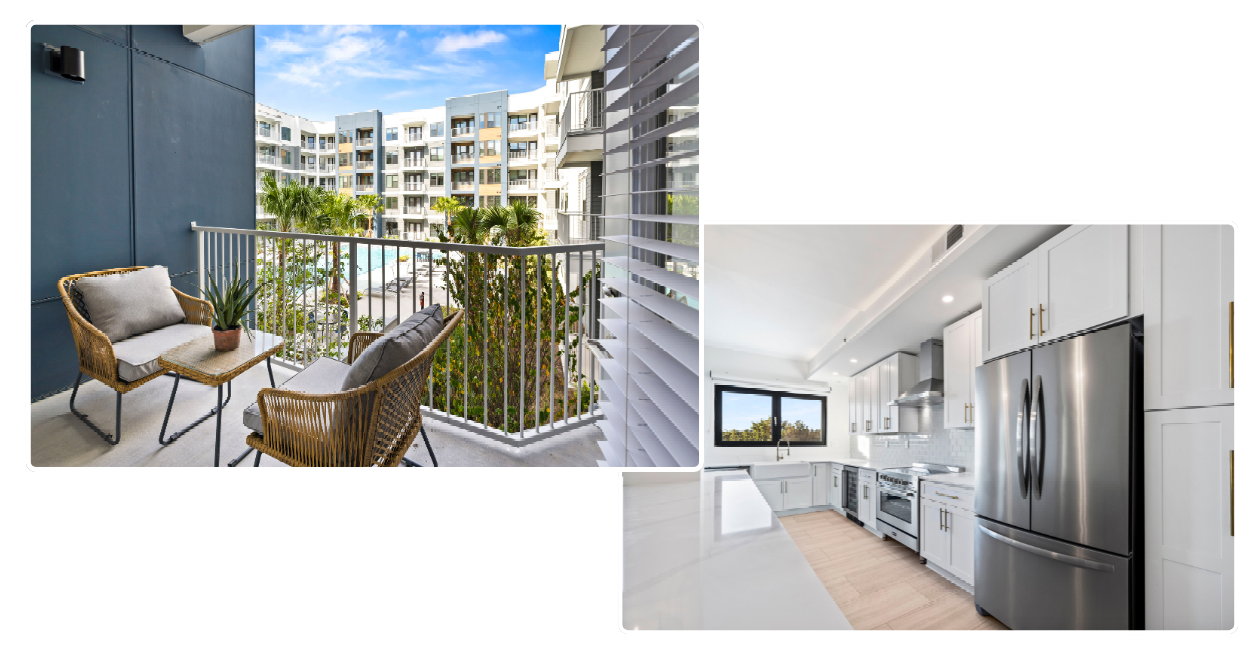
779, 449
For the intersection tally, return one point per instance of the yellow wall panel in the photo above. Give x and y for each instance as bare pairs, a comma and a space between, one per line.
490, 133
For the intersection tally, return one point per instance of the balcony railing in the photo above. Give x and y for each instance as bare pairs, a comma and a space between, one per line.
364, 163
266, 159
327, 146
463, 186
522, 155
552, 131
462, 159
582, 112
522, 185
527, 126
327, 168
364, 141
414, 186
521, 373
309, 166
264, 132
410, 210
365, 188
414, 162
575, 229
460, 131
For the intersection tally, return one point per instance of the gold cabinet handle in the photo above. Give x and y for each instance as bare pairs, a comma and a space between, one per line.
1231, 351
1231, 468
1041, 320
1032, 323
947, 496
940, 518
947, 521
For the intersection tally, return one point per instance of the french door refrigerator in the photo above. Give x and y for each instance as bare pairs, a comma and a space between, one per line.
1058, 479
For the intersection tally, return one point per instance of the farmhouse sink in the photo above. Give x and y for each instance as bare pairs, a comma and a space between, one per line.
770, 470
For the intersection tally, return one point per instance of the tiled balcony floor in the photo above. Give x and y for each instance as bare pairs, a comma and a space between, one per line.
58, 438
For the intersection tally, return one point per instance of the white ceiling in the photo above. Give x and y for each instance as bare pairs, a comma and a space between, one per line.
786, 290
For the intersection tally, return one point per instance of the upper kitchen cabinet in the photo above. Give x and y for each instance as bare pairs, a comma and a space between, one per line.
963, 343
1188, 297
1009, 300
855, 394
896, 374
1082, 279
870, 392
1074, 281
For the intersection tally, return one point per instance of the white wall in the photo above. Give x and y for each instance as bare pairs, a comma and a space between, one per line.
722, 362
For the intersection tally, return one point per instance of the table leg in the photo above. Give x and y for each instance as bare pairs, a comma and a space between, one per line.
218, 424
269, 372
242, 457
166, 441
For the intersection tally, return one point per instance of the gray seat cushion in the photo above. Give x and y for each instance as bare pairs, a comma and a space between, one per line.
323, 376
137, 356
127, 304
394, 349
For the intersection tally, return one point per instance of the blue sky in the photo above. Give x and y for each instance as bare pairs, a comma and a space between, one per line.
319, 71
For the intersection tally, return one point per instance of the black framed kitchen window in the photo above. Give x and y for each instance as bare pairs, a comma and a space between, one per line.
752, 417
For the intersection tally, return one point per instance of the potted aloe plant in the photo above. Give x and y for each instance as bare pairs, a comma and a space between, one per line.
230, 305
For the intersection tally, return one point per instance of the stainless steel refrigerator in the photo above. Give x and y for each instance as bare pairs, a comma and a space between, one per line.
1058, 484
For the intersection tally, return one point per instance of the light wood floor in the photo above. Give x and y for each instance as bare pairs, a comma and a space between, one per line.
880, 585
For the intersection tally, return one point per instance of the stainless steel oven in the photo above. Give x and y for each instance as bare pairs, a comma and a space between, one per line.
897, 508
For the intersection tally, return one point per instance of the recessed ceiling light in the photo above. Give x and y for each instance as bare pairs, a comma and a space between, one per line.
853, 361
947, 298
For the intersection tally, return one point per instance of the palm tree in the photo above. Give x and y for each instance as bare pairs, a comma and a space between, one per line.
341, 216
468, 225
369, 205
448, 206
517, 224
295, 207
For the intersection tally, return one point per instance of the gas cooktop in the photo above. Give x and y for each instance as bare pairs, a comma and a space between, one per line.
919, 469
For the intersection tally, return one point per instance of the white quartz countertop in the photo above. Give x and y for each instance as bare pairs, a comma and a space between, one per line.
955, 479
709, 553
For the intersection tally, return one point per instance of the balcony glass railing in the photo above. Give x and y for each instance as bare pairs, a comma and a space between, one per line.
266, 159
463, 186
414, 162
364, 141
461, 130
461, 159
522, 184
365, 188
524, 127
414, 186
522, 155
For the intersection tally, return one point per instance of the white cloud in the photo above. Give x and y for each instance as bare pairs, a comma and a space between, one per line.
284, 46
400, 35
456, 42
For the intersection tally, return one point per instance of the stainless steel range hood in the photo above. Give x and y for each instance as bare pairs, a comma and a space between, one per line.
929, 391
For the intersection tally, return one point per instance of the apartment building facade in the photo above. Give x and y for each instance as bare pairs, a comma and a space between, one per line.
483, 150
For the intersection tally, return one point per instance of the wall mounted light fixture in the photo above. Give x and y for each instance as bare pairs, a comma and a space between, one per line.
68, 62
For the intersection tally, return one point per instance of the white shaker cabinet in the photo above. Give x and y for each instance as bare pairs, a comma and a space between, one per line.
1074, 281
896, 374
869, 409
933, 541
947, 529
854, 405
1190, 564
1009, 300
798, 493
866, 507
1188, 296
962, 348
772, 492
1082, 279
836, 486
820, 483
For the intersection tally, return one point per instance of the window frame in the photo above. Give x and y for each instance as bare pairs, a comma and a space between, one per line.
776, 413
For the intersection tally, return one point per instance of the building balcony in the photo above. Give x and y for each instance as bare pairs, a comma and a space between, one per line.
266, 160
415, 212
462, 159
463, 186
414, 187
414, 162
364, 164
522, 156
365, 188
465, 130
308, 166
521, 128
581, 128
327, 168
517, 186
364, 142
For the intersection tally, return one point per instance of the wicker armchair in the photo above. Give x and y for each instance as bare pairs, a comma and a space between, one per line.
374, 424
96, 352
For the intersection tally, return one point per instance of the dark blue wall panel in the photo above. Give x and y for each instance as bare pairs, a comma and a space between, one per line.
159, 135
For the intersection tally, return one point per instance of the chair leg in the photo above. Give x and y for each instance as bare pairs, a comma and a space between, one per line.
257, 459
113, 441
431, 455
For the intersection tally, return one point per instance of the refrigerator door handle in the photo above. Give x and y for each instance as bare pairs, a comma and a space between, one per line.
1036, 439
1044, 552
1024, 410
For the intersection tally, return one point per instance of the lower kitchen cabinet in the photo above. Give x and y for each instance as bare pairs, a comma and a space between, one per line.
772, 490
866, 505
947, 535
836, 486
1190, 563
820, 484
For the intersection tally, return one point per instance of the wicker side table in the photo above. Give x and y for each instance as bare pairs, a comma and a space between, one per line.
198, 361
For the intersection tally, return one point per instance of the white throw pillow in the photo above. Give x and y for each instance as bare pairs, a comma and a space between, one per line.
127, 304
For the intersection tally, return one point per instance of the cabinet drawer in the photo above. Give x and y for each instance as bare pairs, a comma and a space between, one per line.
867, 475
948, 495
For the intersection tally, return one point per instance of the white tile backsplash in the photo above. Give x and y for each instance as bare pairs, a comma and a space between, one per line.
936, 446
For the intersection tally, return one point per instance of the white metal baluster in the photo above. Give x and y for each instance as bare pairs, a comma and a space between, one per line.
484, 341
567, 274
523, 333
537, 351
200, 264
550, 354
305, 307
353, 289
580, 329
